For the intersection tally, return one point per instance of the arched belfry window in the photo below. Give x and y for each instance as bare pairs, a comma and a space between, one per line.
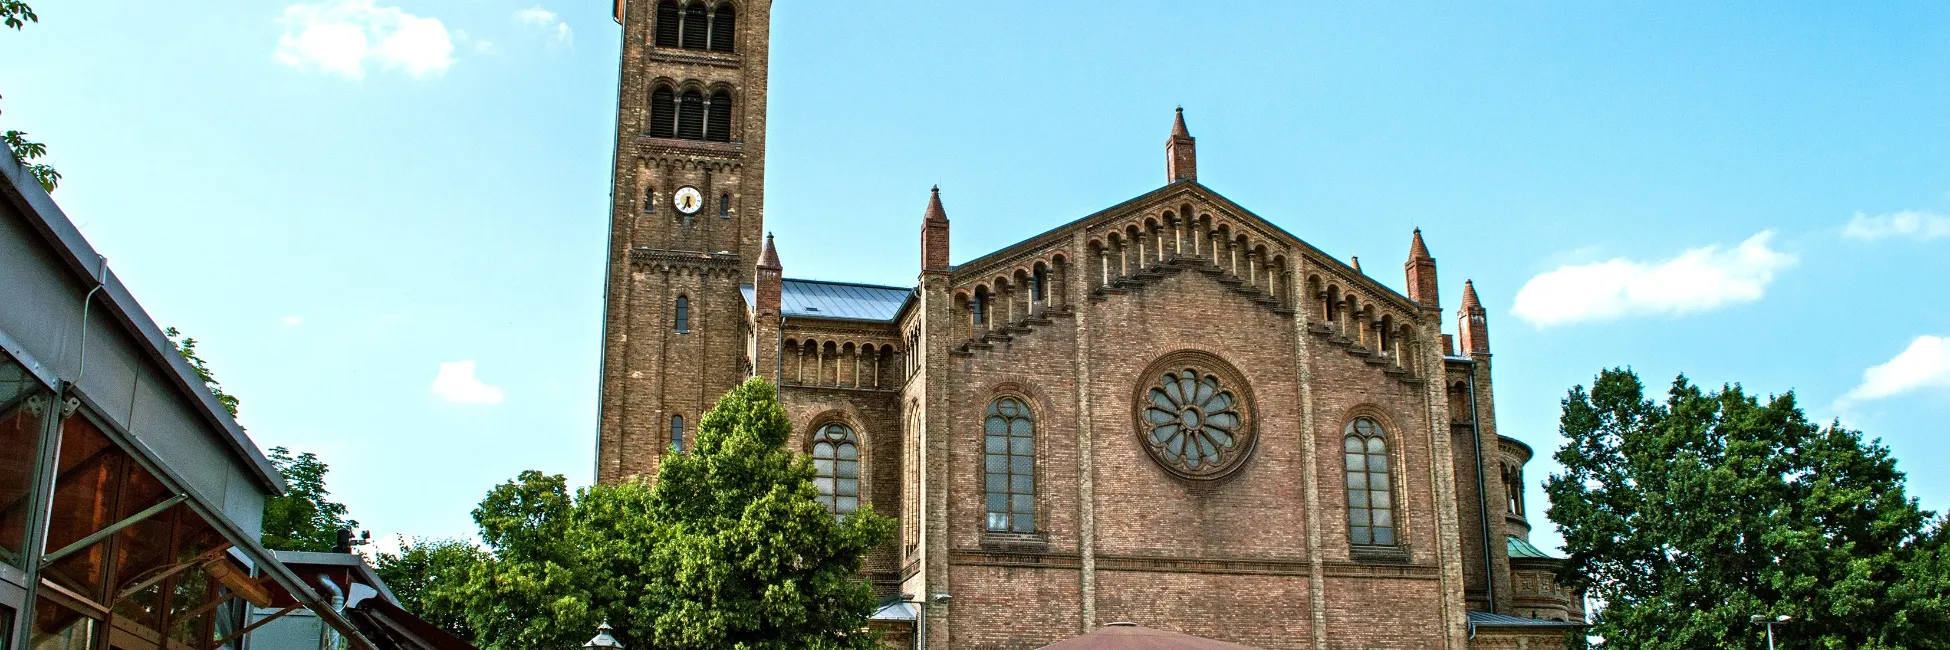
697, 26
836, 468
1010, 468
683, 320
663, 113
724, 28
1370, 500
668, 26
677, 433
717, 121
690, 116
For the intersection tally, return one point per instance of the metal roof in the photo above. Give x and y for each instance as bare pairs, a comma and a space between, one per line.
1486, 619
1522, 549
837, 300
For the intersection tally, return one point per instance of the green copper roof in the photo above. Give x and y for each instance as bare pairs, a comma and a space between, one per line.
1519, 548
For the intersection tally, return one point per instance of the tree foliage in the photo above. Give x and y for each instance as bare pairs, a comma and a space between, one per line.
729, 550
187, 347
425, 575
1685, 519
304, 519
16, 14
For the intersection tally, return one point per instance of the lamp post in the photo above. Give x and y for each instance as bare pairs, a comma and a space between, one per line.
1758, 619
921, 616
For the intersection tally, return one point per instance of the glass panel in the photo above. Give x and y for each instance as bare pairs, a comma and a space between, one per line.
1024, 523
1357, 499
1378, 481
998, 521
1384, 518
1353, 445
849, 469
1020, 464
822, 467
1356, 462
1378, 463
1357, 480
87, 478
823, 484
998, 483
1022, 503
999, 445
20, 434
1384, 536
848, 488
1381, 500
823, 450
1022, 485
1021, 446
997, 427
847, 505
1019, 428
998, 502
1377, 446
1359, 535
1358, 516
997, 463
849, 451
57, 627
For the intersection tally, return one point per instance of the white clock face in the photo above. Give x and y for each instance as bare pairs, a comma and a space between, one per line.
688, 200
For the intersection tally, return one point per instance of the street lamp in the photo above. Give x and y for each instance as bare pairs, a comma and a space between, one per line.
1759, 619
921, 616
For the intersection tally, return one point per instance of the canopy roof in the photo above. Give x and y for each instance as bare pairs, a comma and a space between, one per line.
1128, 636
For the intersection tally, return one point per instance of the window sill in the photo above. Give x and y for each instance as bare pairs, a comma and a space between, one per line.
1378, 554
1001, 541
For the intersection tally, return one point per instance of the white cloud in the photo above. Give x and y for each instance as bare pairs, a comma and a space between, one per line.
549, 21
292, 320
1696, 280
456, 383
343, 37
1925, 364
1910, 224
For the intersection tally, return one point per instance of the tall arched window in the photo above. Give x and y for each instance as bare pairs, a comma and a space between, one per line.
1370, 501
724, 28
683, 320
663, 113
836, 468
696, 26
667, 23
717, 121
650, 201
677, 433
1010, 468
690, 116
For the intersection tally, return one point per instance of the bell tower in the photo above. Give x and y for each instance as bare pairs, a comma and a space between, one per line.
686, 223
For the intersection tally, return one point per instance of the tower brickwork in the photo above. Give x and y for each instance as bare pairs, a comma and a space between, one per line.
686, 221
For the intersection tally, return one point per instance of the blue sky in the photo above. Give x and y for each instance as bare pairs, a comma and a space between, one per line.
393, 252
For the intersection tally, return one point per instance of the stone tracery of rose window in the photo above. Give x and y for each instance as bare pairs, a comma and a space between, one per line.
1193, 422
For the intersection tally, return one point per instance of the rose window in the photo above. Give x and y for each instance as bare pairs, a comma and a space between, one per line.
1194, 423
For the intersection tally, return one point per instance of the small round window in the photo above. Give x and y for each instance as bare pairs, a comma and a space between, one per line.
1193, 421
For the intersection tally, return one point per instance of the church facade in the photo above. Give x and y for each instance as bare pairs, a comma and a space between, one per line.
1171, 412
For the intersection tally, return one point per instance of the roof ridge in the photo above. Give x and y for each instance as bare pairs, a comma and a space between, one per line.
850, 284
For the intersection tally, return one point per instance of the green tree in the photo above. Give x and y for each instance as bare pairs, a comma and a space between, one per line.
1686, 518
533, 591
16, 14
729, 550
187, 347
304, 519
427, 575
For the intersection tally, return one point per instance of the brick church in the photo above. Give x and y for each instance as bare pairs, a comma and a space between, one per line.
1171, 412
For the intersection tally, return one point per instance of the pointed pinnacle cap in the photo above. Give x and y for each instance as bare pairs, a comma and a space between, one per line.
1469, 301
770, 258
1178, 125
1418, 250
935, 213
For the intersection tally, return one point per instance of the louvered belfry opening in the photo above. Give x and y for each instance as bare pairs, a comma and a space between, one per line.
667, 23
697, 26
717, 124
690, 116
724, 28
663, 113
